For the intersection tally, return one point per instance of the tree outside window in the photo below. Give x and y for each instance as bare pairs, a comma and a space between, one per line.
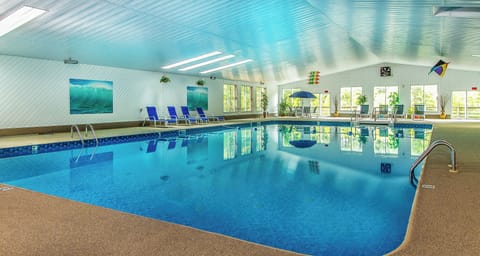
229, 98
348, 98
426, 95
245, 98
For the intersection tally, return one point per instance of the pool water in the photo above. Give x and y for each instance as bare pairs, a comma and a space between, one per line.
319, 190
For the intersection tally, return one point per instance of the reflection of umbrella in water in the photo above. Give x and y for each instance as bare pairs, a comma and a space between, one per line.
303, 143
303, 95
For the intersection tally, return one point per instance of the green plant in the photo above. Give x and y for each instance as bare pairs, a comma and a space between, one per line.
200, 82
264, 102
393, 99
164, 79
361, 99
283, 108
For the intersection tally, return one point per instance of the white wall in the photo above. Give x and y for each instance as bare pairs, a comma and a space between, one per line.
403, 76
35, 92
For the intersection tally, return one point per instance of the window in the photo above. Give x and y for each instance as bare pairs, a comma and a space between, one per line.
229, 98
426, 95
348, 98
246, 141
349, 141
466, 104
385, 141
321, 104
258, 98
245, 98
385, 95
294, 102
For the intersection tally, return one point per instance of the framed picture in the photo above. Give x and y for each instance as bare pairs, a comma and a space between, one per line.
385, 71
90, 96
197, 97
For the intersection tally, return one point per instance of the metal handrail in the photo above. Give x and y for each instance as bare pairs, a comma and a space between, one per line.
453, 157
78, 132
93, 132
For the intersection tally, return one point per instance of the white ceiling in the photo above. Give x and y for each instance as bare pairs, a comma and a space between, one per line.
285, 39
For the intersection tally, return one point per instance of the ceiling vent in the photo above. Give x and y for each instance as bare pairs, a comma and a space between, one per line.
70, 61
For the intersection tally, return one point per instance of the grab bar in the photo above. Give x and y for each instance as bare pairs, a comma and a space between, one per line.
93, 132
78, 132
453, 158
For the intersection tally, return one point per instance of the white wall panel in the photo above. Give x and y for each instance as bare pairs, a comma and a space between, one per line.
35, 92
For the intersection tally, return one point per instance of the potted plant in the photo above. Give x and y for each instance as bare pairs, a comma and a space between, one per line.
393, 99
361, 99
164, 79
443, 103
283, 108
264, 104
201, 82
335, 105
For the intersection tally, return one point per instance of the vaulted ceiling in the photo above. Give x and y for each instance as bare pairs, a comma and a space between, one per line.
284, 39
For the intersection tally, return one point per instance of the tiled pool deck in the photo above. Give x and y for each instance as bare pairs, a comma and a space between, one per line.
444, 221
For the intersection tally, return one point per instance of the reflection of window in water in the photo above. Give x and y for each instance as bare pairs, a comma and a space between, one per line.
229, 144
385, 142
246, 141
420, 139
261, 139
321, 134
349, 139
290, 133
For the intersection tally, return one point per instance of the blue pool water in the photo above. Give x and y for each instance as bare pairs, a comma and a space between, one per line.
320, 190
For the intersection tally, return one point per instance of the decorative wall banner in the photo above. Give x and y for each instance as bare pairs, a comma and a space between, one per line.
197, 97
313, 77
90, 96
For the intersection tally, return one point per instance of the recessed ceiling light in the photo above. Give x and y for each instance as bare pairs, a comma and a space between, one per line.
18, 18
192, 59
226, 66
207, 62
475, 55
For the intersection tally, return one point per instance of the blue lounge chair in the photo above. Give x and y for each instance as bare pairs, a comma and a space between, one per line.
202, 114
363, 111
398, 111
186, 115
173, 115
418, 112
153, 117
382, 112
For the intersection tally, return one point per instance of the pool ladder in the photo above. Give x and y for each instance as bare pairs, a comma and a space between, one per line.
87, 126
453, 158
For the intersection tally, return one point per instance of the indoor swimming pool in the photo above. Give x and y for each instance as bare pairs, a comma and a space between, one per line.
309, 188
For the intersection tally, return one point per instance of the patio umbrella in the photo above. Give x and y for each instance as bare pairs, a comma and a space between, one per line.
303, 95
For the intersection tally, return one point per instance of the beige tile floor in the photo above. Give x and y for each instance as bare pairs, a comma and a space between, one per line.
444, 220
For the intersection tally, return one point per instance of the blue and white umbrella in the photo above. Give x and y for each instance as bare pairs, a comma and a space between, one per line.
303, 95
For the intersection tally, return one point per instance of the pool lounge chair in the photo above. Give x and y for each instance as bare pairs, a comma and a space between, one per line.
398, 111
364, 112
381, 112
418, 112
173, 115
202, 114
153, 117
186, 115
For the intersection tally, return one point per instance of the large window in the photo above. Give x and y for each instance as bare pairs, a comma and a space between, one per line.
348, 98
229, 98
426, 95
466, 104
245, 98
384, 95
293, 102
321, 105
258, 98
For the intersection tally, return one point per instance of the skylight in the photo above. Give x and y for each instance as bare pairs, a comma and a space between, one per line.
226, 66
192, 59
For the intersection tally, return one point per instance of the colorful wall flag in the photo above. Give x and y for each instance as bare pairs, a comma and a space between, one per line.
440, 68
313, 77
